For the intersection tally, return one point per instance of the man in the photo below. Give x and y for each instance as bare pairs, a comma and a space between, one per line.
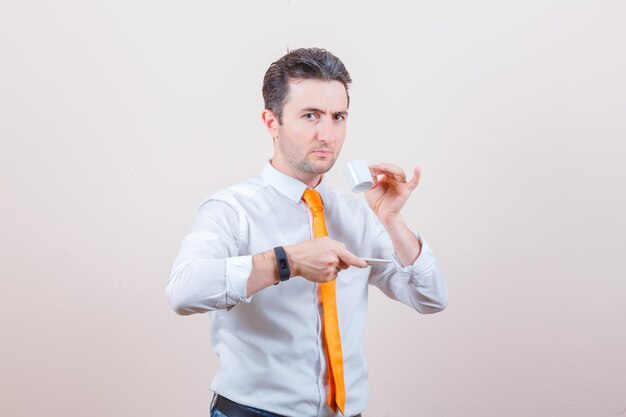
277, 259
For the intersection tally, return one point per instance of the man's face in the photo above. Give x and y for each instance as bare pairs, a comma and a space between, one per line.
313, 128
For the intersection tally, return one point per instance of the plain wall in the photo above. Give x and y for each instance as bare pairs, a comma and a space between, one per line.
117, 118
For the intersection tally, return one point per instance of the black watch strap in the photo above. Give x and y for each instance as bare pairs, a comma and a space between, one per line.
283, 263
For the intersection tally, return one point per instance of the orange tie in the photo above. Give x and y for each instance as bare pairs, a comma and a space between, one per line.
330, 323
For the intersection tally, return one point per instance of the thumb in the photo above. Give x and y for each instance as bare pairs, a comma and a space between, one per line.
416, 178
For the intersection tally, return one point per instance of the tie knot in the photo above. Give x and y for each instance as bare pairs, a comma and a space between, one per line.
313, 199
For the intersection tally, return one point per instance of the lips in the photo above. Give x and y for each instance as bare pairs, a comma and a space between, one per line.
322, 152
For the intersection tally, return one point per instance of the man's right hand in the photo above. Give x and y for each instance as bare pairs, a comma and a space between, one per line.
321, 259
317, 260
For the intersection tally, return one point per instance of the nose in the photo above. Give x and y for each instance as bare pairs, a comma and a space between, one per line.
326, 130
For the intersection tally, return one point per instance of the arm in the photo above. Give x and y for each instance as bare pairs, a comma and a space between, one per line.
416, 279
209, 274
387, 198
420, 285
318, 260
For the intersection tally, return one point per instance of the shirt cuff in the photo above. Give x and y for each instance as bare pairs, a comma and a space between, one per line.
422, 265
238, 269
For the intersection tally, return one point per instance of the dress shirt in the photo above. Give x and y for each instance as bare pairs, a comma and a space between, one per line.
269, 345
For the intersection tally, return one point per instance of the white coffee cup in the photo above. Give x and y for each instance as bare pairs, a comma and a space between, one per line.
358, 175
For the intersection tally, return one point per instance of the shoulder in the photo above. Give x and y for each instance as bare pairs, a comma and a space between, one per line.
226, 208
234, 195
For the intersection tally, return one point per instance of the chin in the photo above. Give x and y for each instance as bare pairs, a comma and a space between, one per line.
316, 167
324, 166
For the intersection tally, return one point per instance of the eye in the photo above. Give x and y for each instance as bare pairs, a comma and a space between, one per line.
340, 117
309, 116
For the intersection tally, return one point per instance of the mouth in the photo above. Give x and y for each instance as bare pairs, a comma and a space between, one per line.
323, 153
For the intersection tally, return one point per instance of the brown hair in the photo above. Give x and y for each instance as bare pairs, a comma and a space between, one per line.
303, 63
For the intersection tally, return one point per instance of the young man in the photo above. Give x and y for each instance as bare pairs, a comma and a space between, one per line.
277, 259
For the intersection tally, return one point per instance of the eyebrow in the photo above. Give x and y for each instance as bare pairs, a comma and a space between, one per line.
315, 110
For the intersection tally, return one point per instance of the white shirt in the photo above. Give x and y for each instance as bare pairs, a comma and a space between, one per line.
269, 345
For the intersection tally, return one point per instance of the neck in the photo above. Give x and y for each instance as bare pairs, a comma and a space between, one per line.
311, 180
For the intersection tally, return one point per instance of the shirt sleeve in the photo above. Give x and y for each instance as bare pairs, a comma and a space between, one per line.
421, 285
208, 274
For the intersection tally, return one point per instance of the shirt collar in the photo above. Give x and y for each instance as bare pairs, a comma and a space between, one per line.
289, 186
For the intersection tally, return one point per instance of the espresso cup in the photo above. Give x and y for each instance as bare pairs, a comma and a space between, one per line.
358, 175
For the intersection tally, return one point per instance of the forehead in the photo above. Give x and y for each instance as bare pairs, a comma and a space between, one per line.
324, 95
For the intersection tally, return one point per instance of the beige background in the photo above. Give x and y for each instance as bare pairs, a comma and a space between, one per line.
118, 117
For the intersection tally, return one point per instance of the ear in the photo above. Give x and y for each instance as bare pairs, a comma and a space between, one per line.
271, 122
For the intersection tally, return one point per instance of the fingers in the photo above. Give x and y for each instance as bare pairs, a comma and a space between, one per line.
396, 172
349, 259
321, 259
390, 170
341, 265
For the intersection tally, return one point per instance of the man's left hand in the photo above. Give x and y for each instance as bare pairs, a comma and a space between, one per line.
391, 191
